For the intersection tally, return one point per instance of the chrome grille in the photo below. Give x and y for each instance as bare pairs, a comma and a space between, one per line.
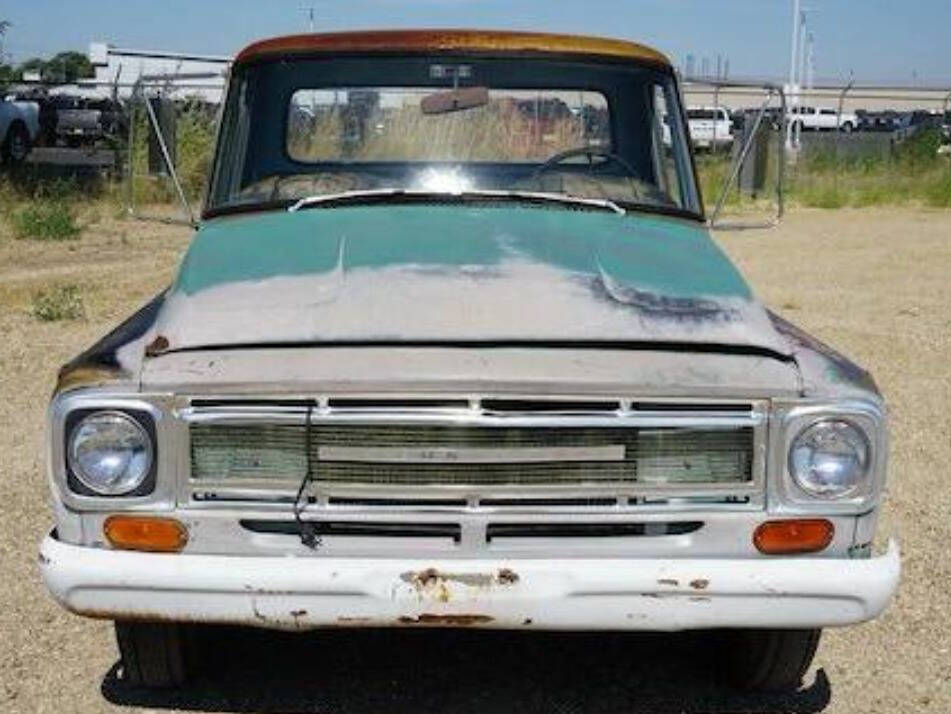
421, 454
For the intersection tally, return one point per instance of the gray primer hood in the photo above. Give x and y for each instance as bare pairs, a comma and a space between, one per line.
458, 274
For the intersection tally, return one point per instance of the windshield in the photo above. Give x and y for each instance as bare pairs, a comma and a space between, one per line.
306, 128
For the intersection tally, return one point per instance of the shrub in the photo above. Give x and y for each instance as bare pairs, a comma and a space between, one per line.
59, 303
46, 220
919, 149
938, 191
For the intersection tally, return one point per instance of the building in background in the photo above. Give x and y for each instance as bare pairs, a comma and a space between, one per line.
123, 67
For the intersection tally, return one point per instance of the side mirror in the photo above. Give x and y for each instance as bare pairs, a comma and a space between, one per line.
751, 159
160, 117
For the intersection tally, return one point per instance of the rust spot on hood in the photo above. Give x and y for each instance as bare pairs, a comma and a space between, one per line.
156, 346
699, 584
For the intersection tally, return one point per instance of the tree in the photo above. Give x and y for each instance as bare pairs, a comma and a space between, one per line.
63, 68
68, 67
34, 64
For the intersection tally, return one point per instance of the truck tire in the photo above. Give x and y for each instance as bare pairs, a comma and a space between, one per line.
847, 127
153, 654
16, 145
768, 660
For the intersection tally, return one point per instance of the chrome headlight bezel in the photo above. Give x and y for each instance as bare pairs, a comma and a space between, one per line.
788, 495
68, 407
80, 482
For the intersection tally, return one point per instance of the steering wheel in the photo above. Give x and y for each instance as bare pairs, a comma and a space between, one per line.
590, 152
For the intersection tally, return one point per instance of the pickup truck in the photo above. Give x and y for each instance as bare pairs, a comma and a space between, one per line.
443, 354
710, 127
19, 129
818, 119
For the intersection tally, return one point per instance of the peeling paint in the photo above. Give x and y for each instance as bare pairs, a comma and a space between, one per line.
506, 576
117, 356
431, 577
446, 273
156, 346
825, 371
354, 620
448, 620
700, 584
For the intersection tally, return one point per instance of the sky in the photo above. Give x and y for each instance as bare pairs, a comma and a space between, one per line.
877, 40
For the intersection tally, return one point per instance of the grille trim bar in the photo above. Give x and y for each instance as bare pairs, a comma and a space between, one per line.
469, 454
656, 413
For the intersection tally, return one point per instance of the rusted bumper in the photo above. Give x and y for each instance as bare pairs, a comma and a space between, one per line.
608, 594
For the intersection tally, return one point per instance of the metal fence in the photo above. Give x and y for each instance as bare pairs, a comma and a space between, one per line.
889, 150
848, 145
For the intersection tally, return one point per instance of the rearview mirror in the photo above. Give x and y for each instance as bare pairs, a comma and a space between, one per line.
454, 100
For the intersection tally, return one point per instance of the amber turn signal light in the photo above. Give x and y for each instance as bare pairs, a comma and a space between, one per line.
804, 535
155, 535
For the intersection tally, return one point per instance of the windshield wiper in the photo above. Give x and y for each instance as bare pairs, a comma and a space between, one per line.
382, 194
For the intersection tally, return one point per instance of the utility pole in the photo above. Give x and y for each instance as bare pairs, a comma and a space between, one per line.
795, 44
803, 35
793, 67
310, 10
811, 62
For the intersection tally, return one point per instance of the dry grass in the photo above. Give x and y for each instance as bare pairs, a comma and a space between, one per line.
914, 176
495, 132
872, 282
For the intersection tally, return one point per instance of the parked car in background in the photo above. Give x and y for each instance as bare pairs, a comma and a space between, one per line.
74, 121
488, 369
877, 121
19, 129
910, 123
822, 119
710, 127
945, 133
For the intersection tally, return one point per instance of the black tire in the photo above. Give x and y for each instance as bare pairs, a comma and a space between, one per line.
16, 145
152, 654
768, 660
847, 128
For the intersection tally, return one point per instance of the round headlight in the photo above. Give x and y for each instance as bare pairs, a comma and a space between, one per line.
110, 453
829, 458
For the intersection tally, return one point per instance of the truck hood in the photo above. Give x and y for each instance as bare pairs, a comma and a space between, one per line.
452, 274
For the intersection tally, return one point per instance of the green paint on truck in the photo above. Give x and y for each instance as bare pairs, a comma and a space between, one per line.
667, 256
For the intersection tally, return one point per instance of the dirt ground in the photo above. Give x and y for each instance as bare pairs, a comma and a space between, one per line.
874, 283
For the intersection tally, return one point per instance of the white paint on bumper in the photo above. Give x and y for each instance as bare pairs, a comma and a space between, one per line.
609, 594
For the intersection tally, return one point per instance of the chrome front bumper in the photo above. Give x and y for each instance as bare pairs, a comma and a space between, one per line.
598, 594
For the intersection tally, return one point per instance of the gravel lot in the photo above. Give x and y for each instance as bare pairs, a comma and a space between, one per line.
874, 283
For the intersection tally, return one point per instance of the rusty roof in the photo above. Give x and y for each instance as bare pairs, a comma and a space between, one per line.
426, 41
